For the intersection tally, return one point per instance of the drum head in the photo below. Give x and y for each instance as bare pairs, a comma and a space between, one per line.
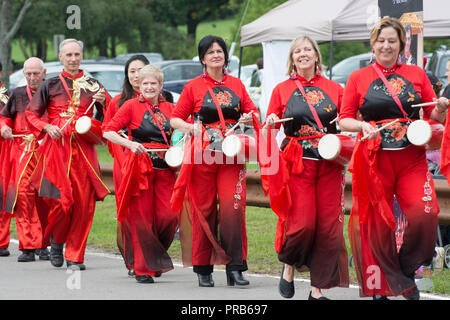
231, 146
174, 156
419, 132
83, 125
329, 147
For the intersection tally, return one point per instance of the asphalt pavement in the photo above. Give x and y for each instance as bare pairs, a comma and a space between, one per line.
105, 278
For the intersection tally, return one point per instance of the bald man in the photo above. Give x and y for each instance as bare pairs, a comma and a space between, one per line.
71, 180
22, 201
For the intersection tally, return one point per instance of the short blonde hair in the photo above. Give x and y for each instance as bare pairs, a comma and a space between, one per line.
153, 71
385, 23
295, 43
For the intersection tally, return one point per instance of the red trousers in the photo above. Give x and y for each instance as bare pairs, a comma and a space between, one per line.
73, 228
209, 184
153, 225
30, 212
314, 235
382, 270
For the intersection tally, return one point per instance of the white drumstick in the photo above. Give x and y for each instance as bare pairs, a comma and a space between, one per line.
334, 120
380, 128
235, 126
68, 121
90, 106
423, 104
18, 135
283, 120
155, 150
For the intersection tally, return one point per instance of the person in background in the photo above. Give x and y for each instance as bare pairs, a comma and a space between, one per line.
22, 200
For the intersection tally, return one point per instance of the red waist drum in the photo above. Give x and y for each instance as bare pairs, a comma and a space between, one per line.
240, 146
90, 130
337, 148
426, 133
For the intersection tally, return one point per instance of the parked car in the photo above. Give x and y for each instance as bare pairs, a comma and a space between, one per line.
178, 72
437, 64
151, 56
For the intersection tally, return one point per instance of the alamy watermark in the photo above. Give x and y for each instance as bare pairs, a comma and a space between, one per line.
74, 19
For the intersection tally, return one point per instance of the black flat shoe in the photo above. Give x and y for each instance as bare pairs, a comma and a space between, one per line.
379, 297
4, 252
44, 254
144, 279
236, 277
285, 288
75, 265
26, 256
205, 280
56, 254
312, 298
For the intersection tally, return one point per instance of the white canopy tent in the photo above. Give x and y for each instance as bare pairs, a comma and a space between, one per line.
324, 21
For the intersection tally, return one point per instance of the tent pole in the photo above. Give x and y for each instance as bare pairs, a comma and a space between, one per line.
330, 68
240, 62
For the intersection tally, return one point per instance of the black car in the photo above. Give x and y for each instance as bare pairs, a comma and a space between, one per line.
178, 72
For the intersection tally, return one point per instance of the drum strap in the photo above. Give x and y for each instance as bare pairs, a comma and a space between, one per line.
390, 89
219, 109
65, 86
149, 108
313, 111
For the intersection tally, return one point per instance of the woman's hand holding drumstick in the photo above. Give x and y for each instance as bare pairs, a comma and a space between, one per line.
245, 119
369, 134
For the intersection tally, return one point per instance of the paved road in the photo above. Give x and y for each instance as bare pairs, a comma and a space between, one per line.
106, 279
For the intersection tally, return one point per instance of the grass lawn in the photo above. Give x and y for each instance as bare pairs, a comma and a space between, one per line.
262, 258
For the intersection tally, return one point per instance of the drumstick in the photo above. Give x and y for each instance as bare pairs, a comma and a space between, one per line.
155, 150
334, 120
380, 128
423, 104
235, 126
68, 121
90, 106
18, 135
122, 134
283, 120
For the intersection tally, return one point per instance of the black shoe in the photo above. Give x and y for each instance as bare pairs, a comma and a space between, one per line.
56, 254
4, 252
285, 288
26, 256
312, 298
236, 277
144, 279
205, 280
75, 265
44, 254
131, 273
414, 296
379, 297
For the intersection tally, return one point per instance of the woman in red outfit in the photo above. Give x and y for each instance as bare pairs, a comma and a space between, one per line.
312, 232
218, 101
130, 90
387, 164
147, 181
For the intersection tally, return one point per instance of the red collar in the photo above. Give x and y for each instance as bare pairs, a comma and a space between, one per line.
68, 75
304, 81
206, 76
388, 70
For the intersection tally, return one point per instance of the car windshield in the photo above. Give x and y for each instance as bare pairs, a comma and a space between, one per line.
112, 80
442, 67
345, 67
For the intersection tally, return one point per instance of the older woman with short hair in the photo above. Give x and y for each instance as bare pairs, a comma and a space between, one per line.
147, 185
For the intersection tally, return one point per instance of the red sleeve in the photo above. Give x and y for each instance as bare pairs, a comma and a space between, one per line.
185, 104
350, 99
111, 110
428, 95
276, 104
122, 117
36, 109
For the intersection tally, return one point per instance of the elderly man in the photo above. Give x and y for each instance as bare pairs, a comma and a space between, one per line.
22, 199
70, 176
4, 166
